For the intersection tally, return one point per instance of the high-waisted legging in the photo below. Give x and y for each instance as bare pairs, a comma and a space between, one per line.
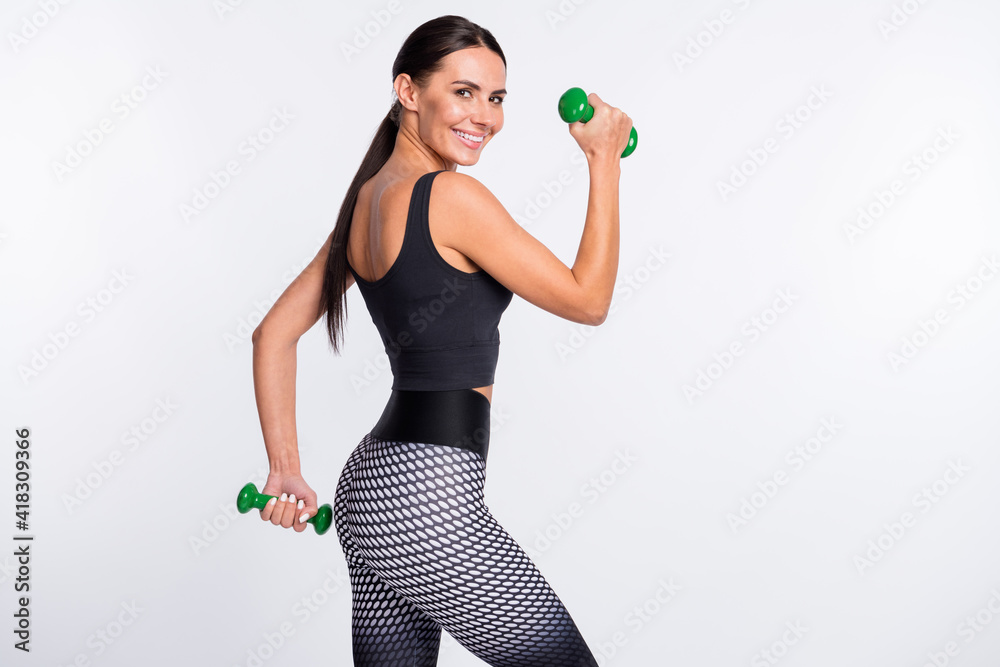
425, 553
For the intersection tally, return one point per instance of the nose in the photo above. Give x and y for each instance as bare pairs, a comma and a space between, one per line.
485, 118
484, 125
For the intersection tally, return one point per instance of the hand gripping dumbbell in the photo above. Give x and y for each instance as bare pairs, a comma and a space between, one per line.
573, 106
250, 499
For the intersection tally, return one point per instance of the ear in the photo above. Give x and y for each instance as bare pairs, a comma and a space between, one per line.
406, 91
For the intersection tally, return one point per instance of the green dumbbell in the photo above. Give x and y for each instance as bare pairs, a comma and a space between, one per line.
250, 499
573, 106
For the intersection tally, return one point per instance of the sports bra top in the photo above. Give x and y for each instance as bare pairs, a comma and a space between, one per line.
439, 324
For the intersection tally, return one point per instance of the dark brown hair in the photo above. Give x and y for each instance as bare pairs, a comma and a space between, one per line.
420, 57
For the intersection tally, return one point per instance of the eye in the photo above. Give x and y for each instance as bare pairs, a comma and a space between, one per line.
466, 90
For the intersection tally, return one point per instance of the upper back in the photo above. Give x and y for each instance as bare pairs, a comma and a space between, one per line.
438, 323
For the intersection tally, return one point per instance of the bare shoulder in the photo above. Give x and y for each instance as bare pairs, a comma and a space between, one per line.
471, 210
464, 193
458, 184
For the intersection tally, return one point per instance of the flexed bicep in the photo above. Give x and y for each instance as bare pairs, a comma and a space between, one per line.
490, 237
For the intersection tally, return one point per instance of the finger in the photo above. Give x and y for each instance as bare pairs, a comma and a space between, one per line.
279, 509
265, 512
306, 510
303, 512
288, 516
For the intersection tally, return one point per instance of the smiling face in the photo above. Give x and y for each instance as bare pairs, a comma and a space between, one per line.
464, 97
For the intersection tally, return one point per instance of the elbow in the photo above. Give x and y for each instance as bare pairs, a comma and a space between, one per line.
272, 336
597, 317
258, 337
591, 311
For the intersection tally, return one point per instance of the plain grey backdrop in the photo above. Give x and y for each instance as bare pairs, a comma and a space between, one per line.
780, 448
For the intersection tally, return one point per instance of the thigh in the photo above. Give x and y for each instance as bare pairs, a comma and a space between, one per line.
386, 629
418, 519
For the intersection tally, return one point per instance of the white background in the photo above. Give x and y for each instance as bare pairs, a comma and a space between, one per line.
208, 588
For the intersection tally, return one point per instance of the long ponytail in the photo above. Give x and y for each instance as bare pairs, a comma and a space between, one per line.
335, 278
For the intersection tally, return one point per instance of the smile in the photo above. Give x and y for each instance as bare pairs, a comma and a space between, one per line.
470, 140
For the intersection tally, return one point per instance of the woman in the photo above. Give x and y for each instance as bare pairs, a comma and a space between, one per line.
436, 273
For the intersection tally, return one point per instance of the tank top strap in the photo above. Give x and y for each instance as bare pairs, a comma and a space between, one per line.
417, 253
418, 233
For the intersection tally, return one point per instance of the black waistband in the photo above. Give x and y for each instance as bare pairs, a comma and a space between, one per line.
456, 417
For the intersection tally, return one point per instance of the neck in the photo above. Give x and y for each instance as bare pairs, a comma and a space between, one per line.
411, 155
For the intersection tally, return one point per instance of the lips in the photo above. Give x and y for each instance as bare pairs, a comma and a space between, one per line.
471, 144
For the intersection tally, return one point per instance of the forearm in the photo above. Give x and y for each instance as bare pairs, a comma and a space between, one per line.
274, 389
596, 265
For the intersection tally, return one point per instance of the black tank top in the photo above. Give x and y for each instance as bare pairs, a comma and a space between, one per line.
439, 324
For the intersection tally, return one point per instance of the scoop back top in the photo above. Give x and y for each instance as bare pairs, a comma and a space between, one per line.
439, 325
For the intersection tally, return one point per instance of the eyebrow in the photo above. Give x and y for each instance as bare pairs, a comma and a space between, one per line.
475, 86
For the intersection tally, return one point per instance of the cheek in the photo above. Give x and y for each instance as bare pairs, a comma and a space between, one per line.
451, 112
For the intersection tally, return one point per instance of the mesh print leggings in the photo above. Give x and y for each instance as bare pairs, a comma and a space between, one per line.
424, 552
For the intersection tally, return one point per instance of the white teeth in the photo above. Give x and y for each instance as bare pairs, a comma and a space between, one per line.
469, 136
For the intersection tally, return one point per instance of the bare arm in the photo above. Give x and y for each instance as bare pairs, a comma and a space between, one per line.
487, 234
274, 358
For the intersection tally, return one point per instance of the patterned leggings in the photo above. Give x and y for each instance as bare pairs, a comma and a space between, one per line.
425, 553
